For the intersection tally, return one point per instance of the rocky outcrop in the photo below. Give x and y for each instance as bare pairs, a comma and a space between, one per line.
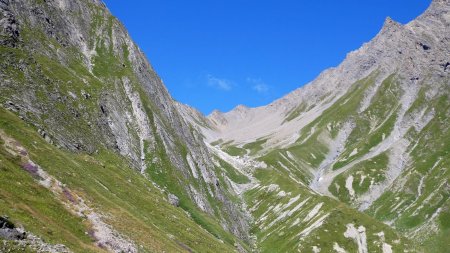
8, 231
173, 200
23, 240
8, 23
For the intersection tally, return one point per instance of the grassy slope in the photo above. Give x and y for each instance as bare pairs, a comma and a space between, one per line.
135, 207
430, 146
365, 173
285, 235
422, 189
309, 151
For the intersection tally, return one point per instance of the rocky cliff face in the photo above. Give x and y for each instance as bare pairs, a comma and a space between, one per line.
71, 70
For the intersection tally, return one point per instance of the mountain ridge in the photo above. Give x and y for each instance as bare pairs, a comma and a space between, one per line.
388, 24
289, 101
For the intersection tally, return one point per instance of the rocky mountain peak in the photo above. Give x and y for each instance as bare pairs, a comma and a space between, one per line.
215, 114
390, 22
390, 26
217, 117
241, 108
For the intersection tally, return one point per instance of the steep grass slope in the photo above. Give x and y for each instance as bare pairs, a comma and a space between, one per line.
133, 214
70, 70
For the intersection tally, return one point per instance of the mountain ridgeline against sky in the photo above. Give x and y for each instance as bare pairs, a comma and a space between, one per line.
95, 155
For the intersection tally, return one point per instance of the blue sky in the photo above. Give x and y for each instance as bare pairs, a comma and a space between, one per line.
217, 54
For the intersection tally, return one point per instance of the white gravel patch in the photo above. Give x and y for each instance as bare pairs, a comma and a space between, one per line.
316, 224
358, 235
314, 212
349, 185
338, 248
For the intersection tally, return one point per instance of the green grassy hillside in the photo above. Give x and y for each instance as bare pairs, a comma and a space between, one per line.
130, 203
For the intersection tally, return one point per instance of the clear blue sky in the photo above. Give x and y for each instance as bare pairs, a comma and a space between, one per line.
216, 54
